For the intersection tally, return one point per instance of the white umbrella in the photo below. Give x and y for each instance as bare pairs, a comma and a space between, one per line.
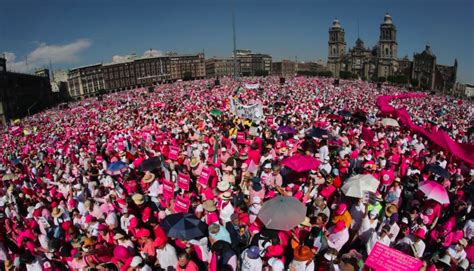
358, 185
390, 122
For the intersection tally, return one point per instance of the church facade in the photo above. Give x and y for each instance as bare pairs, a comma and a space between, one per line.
381, 61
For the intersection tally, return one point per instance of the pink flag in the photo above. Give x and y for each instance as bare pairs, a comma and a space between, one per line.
183, 181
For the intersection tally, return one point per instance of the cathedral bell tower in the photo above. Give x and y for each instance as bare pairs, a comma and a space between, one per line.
387, 49
337, 48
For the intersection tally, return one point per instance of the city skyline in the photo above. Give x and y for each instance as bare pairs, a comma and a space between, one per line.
284, 30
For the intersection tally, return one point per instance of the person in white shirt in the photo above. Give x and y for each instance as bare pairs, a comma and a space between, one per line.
469, 229
368, 226
339, 236
166, 256
382, 238
251, 260
457, 252
416, 242
357, 214
323, 151
303, 259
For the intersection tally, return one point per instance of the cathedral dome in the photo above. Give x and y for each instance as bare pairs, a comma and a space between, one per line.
387, 19
336, 23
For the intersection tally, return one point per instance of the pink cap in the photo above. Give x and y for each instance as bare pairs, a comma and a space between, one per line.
341, 208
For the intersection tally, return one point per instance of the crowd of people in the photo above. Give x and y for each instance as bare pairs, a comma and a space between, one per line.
88, 187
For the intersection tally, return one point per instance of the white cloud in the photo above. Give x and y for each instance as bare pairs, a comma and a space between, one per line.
44, 53
120, 59
152, 53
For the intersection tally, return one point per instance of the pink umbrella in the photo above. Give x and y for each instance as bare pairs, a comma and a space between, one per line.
300, 163
435, 191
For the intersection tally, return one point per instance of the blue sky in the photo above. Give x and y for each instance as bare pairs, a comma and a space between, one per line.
72, 33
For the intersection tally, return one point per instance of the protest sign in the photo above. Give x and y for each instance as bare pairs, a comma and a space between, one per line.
182, 204
204, 177
384, 258
174, 152
168, 189
183, 181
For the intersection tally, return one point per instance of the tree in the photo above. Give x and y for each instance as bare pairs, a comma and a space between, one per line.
261, 73
324, 74
414, 82
345, 75
392, 79
187, 76
381, 79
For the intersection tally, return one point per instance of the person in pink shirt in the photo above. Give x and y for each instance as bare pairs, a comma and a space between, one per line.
185, 263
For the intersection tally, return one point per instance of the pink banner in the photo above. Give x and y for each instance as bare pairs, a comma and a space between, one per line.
183, 181
384, 258
240, 137
182, 204
464, 152
168, 189
204, 177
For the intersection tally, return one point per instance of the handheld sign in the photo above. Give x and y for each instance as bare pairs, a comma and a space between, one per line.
204, 177
174, 152
183, 181
384, 258
182, 204
240, 137
168, 189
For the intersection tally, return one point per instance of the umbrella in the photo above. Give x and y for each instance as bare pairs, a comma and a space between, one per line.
318, 132
286, 130
435, 191
390, 122
216, 112
345, 113
358, 185
300, 163
150, 164
437, 169
282, 213
116, 168
184, 226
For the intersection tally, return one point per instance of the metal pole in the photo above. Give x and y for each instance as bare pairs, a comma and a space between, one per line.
234, 40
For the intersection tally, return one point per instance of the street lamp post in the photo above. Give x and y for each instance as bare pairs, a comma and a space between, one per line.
234, 40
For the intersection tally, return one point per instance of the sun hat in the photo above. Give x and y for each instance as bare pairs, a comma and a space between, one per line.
303, 254
391, 209
149, 177
138, 198
446, 259
57, 212
306, 222
226, 195
253, 252
209, 206
194, 162
223, 186
341, 208
267, 166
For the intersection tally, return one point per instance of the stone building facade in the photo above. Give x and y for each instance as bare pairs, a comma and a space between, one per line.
379, 61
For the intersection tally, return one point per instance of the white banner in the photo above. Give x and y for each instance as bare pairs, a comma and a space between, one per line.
252, 86
253, 112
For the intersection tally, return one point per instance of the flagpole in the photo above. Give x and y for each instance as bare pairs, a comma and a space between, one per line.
234, 40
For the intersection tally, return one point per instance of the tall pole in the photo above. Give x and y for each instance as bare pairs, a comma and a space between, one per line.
234, 40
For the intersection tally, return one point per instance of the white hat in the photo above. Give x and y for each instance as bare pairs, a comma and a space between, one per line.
223, 186
223, 149
276, 264
267, 166
137, 260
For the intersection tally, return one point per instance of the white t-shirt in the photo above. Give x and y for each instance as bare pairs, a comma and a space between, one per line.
367, 228
374, 239
302, 266
167, 257
248, 264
